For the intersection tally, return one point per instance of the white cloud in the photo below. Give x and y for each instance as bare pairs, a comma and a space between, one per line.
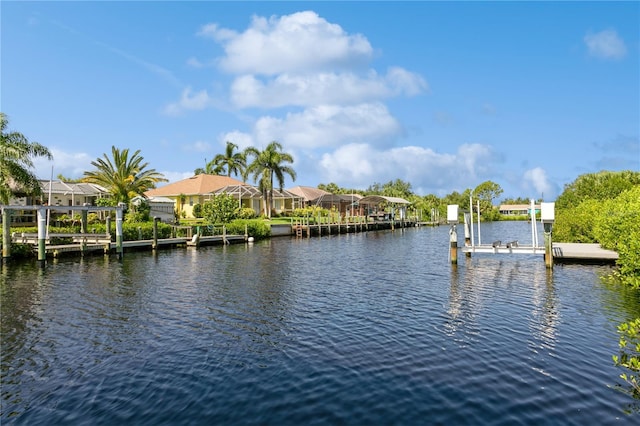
331, 125
189, 102
536, 179
299, 42
214, 32
69, 164
324, 88
427, 170
198, 146
605, 45
243, 140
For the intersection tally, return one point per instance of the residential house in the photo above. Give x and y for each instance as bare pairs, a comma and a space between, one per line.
518, 209
188, 192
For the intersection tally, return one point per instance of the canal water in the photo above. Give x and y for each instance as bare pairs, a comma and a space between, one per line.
373, 328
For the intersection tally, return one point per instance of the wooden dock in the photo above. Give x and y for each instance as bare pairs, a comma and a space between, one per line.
562, 252
59, 250
582, 253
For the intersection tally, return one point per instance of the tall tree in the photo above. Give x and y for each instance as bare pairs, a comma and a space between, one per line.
486, 192
231, 161
124, 177
16, 153
397, 188
267, 164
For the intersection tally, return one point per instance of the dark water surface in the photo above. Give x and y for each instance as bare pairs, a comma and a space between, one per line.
370, 328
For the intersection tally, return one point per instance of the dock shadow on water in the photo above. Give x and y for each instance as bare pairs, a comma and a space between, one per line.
368, 328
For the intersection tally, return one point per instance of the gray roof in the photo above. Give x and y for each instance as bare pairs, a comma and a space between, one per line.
67, 188
377, 199
250, 191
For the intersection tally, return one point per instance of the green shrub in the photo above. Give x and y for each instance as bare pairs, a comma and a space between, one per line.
617, 227
197, 211
576, 224
133, 231
22, 251
246, 213
310, 211
629, 357
222, 208
256, 228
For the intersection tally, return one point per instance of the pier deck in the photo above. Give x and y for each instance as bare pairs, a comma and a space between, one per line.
582, 253
562, 252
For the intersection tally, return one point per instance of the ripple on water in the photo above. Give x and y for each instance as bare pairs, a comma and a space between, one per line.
374, 328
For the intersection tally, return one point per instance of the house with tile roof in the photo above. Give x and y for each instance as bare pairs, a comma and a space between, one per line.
197, 189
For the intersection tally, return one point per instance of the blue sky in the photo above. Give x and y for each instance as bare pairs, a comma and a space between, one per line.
444, 95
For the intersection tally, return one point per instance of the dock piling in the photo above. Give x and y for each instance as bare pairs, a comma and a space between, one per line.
6, 234
453, 243
154, 245
42, 235
452, 218
547, 217
119, 238
467, 232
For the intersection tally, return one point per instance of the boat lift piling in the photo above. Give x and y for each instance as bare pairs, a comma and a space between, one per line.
452, 219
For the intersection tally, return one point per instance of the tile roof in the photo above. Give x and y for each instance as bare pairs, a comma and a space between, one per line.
308, 193
195, 185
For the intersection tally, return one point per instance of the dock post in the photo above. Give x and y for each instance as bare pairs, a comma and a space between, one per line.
83, 220
246, 232
548, 246
453, 243
547, 217
108, 224
119, 217
452, 218
42, 235
467, 232
154, 246
6, 234
83, 229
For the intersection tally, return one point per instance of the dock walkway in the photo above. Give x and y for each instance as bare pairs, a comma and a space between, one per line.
582, 253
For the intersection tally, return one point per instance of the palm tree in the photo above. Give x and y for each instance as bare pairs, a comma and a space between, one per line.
267, 164
15, 161
230, 161
124, 177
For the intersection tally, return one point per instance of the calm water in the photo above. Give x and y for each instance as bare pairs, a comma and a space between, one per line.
370, 328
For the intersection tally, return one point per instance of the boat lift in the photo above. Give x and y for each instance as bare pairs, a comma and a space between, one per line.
502, 247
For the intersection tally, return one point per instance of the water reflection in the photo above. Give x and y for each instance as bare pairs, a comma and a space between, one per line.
545, 313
